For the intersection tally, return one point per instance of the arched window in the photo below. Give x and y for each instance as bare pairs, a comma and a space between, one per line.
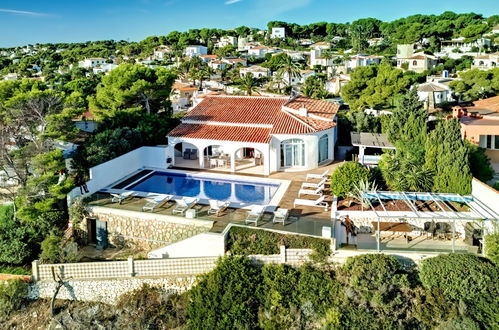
414, 63
292, 153
323, 148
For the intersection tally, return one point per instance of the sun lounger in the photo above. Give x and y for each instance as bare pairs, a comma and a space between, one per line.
314, 185
255, 214
184, 204
119, 198
319, 202
187, 154
217, 207
311, 191
280, 215
156, 202
317, 176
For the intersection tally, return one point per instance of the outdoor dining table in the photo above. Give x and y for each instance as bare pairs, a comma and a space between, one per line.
401, 228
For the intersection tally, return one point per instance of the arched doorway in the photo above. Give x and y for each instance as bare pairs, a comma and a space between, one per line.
293, 153
323, 148
186, 155
249, 160
215, 157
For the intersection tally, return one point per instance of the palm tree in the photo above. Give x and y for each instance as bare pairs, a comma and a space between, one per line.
290, 67
279, 80
248, 84
202, 74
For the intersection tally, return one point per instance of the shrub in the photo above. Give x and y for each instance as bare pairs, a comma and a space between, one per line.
4, 269
346, 176
225, 298
245, 241
492, 247
51, 249
467, 278
151, 308
12, 296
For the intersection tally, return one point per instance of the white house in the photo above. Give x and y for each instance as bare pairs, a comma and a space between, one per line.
256, 70
198, 50
218, 65
11, 76
407, 59
92, 62
320, 45
304, 74
434, 93
361, 60
227, 41
270, 133
161, 52
86, 122
464, 46
486, 62
260, 51
336, 83
235, 61
278, 33
208, 58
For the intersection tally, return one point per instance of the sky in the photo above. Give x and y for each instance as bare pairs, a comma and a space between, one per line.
40, 21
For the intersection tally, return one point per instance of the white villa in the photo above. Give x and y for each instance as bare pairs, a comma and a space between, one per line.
192, 51
434, 93
278, 33
463, 45
92, 62
257, 135
256, 70
486, 62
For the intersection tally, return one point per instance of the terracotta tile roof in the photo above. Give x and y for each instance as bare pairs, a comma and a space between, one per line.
209, 56
222, 133
273, 115
491, 103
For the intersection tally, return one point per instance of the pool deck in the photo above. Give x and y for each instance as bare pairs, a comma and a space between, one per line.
302, 219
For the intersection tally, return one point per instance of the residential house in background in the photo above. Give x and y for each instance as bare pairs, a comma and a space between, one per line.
161, 52
92, 62
260, 51
304, 74
227, 41
11, 76
235, 61
480, 126
86, 122
322, 45
495, 29
375, 41
433, 94
273, 133
182, 96
278, 33
197, 50
407, 59
486, 62
361, 60
255, 70
336, 83
218, 65
208, 58
463, 45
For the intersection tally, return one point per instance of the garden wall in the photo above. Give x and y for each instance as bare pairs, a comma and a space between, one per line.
145, 230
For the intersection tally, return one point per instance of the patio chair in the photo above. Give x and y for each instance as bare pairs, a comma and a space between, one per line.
319, 202
156, 202
280, 215
442, 229
255, 214
311, 191
429, 228
317, 176
187, 154
184, 204
217, 207
194, 154
313, 185
213, 162
119, 198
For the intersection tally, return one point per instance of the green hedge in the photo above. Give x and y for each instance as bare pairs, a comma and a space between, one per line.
245, 241
13, 270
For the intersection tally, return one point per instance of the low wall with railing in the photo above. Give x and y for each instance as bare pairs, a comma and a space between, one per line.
107, 281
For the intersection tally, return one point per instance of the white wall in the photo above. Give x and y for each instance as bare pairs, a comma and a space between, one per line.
485, 194
111, 171
202, 245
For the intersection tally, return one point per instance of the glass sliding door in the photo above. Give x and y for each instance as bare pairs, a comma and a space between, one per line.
293, 153
323, 148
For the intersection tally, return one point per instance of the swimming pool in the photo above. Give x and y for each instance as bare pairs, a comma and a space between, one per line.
205, 188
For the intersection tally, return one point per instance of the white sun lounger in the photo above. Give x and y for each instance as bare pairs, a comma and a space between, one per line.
217, 207
280, 215
156, 202
314, 185
311, 191
317, 176
255, 214
319, 202
184, 204
119, 198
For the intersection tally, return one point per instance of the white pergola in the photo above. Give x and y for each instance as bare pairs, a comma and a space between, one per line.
479, 211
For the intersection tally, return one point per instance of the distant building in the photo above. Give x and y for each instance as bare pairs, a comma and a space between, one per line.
11, 76
495, 29
278, 33
161, 52
463, 45
336, 83
407, 59
227, 41
260, 51
255, 70
486, 62
208, 58
197, 50
361, 60
433, 94
92, 62
320, 45
86, 122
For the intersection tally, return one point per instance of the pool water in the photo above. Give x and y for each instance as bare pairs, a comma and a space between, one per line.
179, 184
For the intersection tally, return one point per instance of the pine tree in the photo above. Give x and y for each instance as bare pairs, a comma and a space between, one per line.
447, 157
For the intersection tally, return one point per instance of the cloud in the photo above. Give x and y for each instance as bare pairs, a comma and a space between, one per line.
231, 2
22, 12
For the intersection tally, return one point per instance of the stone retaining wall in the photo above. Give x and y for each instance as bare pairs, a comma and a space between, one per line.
146, 230
106, 291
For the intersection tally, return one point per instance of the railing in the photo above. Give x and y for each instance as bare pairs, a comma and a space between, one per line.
151, 267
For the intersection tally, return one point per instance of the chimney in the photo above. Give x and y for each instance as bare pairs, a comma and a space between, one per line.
303, 112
